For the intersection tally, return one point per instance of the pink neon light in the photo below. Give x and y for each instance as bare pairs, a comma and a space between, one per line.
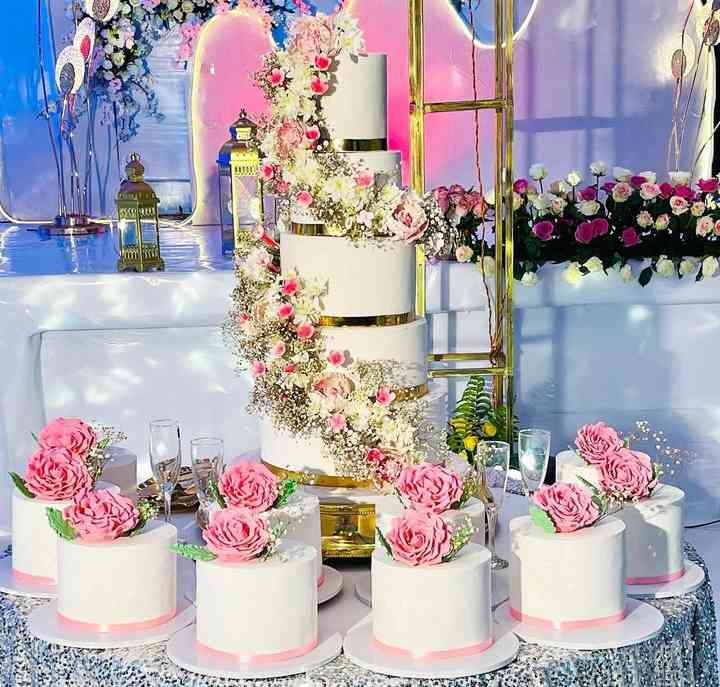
435, 655
656, 580
119, 627
260, 658
566, 625
35, 580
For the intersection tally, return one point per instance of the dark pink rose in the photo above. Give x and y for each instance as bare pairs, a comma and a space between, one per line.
628, 474
235, 535
442, 197
249, 485
569, 506
543, 230
70, 433
630, 237
409, 221
101, 516
666, 189
600, 226
456, 188
595, 441
430, 487
684, 192
708, 185
585, 232
520, 186
57, 474
608, 186
588, 193
637, 181
419, 538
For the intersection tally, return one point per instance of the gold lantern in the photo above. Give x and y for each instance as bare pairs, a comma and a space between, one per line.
139, 229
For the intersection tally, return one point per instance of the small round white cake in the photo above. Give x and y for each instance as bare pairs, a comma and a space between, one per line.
570, 467
303, 512
121, 469
34, 545
260, 610
120, 584
567, 581
433, 610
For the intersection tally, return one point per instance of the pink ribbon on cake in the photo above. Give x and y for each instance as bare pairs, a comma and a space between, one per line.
434, 655
117, 627
320, 581
659, 579
260, 658
34, 580
566, 625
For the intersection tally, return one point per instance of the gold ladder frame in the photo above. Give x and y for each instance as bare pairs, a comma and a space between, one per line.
501, 358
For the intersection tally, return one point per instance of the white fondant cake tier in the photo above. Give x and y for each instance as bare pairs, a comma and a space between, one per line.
34, 545
121, 469
566, 579
126, 581
389, 507
355, 106
653, 537
303, 511
259, 608
570, 467
433, 608
362, 280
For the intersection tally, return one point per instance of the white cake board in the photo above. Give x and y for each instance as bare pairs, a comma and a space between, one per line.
694, 576
331, 586
360, 649
44, 623
183, 651
13, 585
642, 622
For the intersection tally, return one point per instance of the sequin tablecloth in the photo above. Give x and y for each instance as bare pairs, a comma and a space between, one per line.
684, 655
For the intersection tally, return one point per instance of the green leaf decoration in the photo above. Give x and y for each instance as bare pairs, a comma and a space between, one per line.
461, 535
215, 493
286, 490
61, 526
34, 436
148, 511
542, 519
193, 552
19, 483
383, 542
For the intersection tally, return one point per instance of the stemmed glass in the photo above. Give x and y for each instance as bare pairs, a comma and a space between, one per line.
495, 460
533, 452
165, 458
206, 459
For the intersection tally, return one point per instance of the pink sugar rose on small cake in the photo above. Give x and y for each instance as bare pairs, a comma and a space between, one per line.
430, 487
569, 506
57, 474
249, 485
102, 516
235, 535
419, 538
627, 474
595, 441
70, 433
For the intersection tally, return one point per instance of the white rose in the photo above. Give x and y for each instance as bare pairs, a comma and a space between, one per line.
679, 178
662, 222
697, 209
594, 264
704, 226
621, 173
572, 274
517, 200
489, 196
487, 265
598, 168
543, 202
644, 219
650, 176
529, 279
626, 273
574, 178
538, 171
709, 266
665, 267
560, 188
588, 207
688, 266
558, 205
463, 253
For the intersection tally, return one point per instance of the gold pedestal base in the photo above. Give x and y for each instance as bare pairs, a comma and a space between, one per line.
348, 529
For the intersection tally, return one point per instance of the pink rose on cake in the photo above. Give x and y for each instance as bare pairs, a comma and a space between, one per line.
568, 506
236, 535
594, 442
70, 433
102, 516
627, 474
249, 485
408, 221
419, 538
430, 487
57, 474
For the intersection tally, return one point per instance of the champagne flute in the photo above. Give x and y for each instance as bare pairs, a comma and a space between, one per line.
165, 458
495, 457
206, 459
533, 452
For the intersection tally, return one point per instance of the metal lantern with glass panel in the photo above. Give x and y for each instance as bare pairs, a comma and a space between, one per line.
139, 229
240, 190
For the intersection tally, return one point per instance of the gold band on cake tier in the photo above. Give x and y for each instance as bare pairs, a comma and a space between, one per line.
360, 145
411, 393
313, 229
315, 480
366, 320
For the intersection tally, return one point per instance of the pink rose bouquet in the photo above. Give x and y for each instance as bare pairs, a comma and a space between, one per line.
102, 516
57, 474
419, 538
568, 506
595, 441
235, 535
627, 474
70, 433
430, 487
249, 485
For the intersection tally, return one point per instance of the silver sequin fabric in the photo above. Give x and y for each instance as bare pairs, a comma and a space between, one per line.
683, 655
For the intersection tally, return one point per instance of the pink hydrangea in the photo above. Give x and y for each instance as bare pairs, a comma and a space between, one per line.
430, 486
249, 485
419, 538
